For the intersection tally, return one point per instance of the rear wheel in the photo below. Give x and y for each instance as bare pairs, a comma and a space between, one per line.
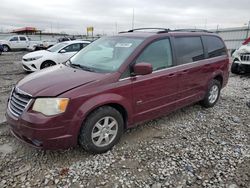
101, 130
46, 64
212, 94
6, 48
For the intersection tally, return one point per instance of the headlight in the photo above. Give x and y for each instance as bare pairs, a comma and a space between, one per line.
33, 58
50, 106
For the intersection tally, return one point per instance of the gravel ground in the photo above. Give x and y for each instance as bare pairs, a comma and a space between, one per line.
192, 147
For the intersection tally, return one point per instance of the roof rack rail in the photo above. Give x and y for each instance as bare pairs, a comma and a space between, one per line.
191, 30
162, 30
165, 30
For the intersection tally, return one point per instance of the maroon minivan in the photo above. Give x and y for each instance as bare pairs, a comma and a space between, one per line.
114, 83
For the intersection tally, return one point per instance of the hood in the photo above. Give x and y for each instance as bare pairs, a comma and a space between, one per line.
242, 50
36, 54
56, 80
2, 41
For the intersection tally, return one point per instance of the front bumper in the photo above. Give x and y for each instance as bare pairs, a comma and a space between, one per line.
42, 132
242, 62
31, 66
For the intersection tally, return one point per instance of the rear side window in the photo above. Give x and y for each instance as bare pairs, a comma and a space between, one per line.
215, 46
22, 39
73, 47
158, 54
189, 49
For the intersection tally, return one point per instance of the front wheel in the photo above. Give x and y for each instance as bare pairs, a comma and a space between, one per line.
46, 64
212, 94
6, 48
235, 68
102, 129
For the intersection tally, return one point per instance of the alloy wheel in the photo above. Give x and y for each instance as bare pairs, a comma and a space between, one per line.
213, 94
104, 131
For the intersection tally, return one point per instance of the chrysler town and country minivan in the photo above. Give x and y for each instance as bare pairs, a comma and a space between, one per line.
115, 83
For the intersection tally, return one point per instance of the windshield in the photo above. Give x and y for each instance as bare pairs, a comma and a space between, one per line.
57, 47
106, 54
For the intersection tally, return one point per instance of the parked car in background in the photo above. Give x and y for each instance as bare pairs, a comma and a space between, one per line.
57, 54
42, 45
115, 83
63, 39
45, 44
1, 49
17, 43
241, 59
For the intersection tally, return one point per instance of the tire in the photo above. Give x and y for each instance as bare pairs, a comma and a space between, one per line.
6, 48
93, 133
47, 64
1, 52
212, 95
235, 68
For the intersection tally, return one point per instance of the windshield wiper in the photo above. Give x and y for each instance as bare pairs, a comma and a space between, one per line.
82, 67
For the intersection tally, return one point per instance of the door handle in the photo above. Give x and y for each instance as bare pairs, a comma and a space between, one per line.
171, 75
184, 71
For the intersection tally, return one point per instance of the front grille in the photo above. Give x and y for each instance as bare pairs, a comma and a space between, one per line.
18, 101
245, 57
25, 59
25, 67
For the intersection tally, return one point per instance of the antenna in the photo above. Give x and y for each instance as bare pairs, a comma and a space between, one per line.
133, 19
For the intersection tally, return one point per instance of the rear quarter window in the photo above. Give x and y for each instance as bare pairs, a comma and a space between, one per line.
189, 49
215, 46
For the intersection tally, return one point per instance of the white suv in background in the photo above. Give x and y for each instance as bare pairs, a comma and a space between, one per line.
56, 54
241, 59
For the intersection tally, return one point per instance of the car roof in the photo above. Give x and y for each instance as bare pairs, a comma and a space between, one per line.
75, 41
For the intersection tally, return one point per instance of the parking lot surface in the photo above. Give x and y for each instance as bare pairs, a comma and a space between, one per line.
192, 147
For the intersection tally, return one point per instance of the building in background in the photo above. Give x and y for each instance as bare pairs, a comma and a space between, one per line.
27, 31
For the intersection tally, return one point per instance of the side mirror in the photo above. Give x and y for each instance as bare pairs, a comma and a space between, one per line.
142, 68
63, 51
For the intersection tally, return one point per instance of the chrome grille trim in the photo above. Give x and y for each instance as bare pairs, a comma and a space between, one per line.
245, 57
18, 101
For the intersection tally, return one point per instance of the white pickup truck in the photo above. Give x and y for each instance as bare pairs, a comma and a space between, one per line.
17, 42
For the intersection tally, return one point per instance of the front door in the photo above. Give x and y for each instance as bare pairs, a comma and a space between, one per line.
14, 43
155, 94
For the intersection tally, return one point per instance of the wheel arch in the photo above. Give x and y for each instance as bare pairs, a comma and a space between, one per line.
219, 77
7, 46
48, 60
118, 102
114, 105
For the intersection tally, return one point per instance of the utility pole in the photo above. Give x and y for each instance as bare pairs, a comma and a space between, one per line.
206, 23
217, 29
248, 27
133, 18
116, 28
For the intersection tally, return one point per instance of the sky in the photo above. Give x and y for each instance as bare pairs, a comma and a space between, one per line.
111, 16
